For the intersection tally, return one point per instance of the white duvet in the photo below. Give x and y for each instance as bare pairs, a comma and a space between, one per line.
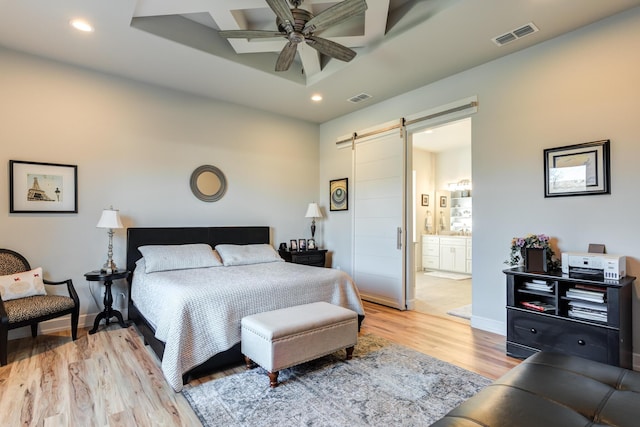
197, 312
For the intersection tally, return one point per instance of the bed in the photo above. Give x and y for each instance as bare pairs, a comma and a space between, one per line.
189, 310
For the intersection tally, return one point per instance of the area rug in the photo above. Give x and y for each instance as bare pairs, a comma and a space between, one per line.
447, 275
464, 312
384, 384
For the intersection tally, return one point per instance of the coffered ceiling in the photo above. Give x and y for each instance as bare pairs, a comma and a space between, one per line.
401, 45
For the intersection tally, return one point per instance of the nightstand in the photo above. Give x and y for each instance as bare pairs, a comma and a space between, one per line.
314, 257
108, 312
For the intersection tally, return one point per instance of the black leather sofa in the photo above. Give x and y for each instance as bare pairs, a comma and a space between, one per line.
553, 390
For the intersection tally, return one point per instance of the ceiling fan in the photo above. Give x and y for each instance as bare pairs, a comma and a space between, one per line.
299, 25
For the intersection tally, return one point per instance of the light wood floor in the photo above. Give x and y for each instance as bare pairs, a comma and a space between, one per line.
111, 379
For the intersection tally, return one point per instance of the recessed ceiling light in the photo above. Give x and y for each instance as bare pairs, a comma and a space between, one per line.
316, 98
81, 25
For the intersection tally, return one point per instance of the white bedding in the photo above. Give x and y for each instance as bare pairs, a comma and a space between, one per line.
197, 312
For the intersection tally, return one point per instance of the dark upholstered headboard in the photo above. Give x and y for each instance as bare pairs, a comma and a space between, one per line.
137, 237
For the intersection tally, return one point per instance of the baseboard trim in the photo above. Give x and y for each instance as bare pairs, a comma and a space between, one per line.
383, 301
58, 324
489, 325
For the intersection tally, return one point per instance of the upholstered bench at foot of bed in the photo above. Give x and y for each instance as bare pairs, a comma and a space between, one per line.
287, 337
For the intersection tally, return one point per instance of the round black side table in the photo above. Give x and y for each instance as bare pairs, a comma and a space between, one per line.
108, 312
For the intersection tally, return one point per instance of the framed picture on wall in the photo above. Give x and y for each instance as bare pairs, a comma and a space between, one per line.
577, 170
443, 201
338, 196
42, 187
425, 200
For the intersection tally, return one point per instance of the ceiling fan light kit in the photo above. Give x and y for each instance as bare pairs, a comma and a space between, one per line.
299, 25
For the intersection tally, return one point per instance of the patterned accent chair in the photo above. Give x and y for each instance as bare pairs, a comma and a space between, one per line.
32, 310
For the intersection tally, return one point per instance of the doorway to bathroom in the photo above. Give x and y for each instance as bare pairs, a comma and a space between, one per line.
441, 163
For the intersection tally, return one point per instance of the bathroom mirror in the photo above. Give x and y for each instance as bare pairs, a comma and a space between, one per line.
208, 183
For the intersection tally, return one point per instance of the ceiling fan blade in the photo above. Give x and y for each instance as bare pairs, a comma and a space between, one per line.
332, 49
249, 34
285, 59
336, 13
281, 9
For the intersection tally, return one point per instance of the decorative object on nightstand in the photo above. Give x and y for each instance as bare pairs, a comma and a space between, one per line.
313, 211
108, 312
110, 219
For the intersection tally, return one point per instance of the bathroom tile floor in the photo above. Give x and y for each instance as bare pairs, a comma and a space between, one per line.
436, 295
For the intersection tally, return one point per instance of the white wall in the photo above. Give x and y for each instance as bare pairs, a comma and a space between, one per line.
424, 165
135, 147
577, 88
452, 166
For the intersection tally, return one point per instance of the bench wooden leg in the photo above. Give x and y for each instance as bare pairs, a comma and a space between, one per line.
248, 362
349, 352
273, 379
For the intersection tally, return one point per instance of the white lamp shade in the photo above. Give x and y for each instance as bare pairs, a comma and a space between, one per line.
110, 219
313, 211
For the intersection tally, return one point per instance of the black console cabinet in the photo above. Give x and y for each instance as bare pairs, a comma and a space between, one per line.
582, 317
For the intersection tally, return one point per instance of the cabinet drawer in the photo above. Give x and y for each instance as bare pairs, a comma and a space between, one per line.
308, 259
431, 250
430, 262
452, 241
555, 334
430, 240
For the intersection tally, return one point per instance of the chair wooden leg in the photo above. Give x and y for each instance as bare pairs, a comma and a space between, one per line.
4, 335
74, 323
34, 330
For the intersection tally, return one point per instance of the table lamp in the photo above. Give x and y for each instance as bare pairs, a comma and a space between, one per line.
313, 211
110, 219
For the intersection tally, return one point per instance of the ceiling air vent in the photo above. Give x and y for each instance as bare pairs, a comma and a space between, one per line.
359, 98
513, 35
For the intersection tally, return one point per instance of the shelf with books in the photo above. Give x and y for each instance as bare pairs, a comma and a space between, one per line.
583, 317
539, 306
537, 287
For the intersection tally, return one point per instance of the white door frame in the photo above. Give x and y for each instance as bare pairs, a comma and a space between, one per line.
436, 116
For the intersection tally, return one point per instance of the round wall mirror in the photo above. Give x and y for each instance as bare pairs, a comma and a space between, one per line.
208, 183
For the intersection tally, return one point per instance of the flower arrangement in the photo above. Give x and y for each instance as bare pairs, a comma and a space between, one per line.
541, 241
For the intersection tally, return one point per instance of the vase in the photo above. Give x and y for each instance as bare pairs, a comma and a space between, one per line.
535, 260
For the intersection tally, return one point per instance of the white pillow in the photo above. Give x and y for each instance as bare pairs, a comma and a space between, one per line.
178, 257
22, 285
247, 254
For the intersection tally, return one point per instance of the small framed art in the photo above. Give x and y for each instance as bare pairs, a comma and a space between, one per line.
311, 244
42, 187
425, 200
443, 201
302, 244
577, 170
338, 196
293, 245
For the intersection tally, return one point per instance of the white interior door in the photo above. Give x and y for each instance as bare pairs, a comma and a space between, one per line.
379, 231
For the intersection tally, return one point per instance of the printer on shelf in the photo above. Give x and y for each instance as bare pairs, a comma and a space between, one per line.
594, 266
